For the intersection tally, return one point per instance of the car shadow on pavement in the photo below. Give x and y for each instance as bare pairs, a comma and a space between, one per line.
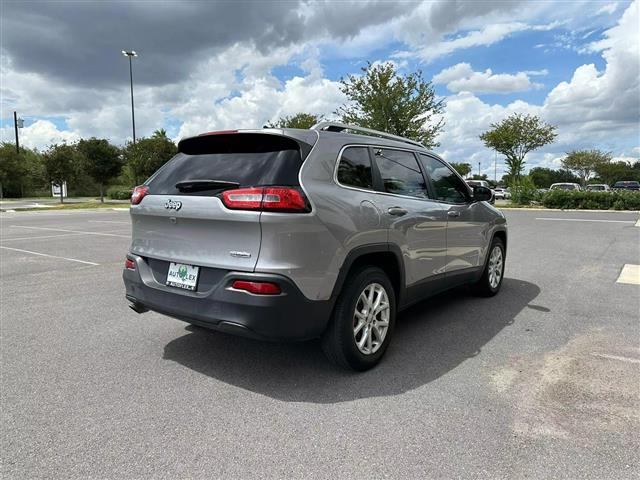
431, 338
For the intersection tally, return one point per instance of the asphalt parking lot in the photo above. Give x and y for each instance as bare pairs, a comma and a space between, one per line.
542, 381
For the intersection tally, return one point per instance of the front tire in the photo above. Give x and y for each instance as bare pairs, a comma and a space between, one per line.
363, 320
491, 280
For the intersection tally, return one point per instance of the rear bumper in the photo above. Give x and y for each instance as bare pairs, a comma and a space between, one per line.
287, 316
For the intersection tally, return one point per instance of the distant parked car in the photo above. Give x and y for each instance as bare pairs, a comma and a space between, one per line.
598, 187
565, 186
627, 185
482, 183
500, 193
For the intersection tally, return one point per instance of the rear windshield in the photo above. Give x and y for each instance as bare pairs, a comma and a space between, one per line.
246, 159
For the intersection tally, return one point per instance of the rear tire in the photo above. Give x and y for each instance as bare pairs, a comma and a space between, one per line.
363, 320
491, 280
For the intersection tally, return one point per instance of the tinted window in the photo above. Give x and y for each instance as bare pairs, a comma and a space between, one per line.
400, 173
448, 186
355, 168
250, 160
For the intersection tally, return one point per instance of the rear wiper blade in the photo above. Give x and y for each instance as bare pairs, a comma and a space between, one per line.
204, 184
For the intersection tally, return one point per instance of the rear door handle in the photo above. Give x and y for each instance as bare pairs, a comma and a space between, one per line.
397, 211
453, 213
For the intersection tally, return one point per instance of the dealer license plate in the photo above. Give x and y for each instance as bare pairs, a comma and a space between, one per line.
182, 276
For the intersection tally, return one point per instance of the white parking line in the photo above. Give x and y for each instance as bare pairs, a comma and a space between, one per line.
47, 255
630, 274
42, 236
584, 220
73, 231
108, 221
616, 357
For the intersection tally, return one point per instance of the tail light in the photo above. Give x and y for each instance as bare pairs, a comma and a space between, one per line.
278, 199
258, 288
129, 264
138, 194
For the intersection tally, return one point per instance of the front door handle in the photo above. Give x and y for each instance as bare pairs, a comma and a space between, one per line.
397, 211
453, 213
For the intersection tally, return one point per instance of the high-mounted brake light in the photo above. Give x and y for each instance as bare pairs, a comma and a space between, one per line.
138, 194
219, 132
265, 198
258, 288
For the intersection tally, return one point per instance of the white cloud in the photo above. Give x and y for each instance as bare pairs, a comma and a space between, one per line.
602, 102
608, 9
257, 96
40, 134
534, 73
593, 109
461, 77
487, 36
235, 88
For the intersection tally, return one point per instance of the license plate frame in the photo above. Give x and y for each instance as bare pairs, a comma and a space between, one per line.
183, 276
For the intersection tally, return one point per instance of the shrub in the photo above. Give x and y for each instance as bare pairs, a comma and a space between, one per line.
524, 192
119, 193
618, 200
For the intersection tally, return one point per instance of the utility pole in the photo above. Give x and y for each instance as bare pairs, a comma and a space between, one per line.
495, 167
15, 126
478, 168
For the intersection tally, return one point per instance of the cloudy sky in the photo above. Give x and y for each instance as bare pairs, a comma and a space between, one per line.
219, 65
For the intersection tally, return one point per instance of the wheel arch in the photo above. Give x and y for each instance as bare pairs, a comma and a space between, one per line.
386, 256
502, 235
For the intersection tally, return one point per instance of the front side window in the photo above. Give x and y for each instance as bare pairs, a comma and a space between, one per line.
400, 173
448, 186
354, 169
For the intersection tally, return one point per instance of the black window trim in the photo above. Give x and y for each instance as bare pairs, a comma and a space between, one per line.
432, 186
377, 177
351, 187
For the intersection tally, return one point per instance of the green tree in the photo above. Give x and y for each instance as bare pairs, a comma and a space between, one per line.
62, 163
299, 120
585, 162
515, 136
19, 173
102, 161
479, 177
544, 177
612, 172
147, 155
404, 105
463, 169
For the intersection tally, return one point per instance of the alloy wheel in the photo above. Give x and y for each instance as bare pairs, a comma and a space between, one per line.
371, 318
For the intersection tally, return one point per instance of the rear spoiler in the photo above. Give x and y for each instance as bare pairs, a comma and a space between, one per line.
249, 141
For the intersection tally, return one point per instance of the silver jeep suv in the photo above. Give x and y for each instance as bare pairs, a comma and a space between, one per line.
292, 234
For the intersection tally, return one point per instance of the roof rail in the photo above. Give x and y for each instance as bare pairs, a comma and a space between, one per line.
339, 127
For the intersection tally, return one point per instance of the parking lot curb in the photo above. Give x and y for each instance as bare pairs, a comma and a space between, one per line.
566, 210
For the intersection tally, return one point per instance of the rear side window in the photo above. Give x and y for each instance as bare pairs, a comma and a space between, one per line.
448, 186
400, 173
246, 159
354, 169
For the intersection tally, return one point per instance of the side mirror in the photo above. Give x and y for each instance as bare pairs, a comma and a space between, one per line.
482, 194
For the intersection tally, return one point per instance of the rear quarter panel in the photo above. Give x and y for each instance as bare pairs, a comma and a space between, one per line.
311, 248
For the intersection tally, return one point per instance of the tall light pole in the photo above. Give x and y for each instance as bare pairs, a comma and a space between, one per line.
131, 54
